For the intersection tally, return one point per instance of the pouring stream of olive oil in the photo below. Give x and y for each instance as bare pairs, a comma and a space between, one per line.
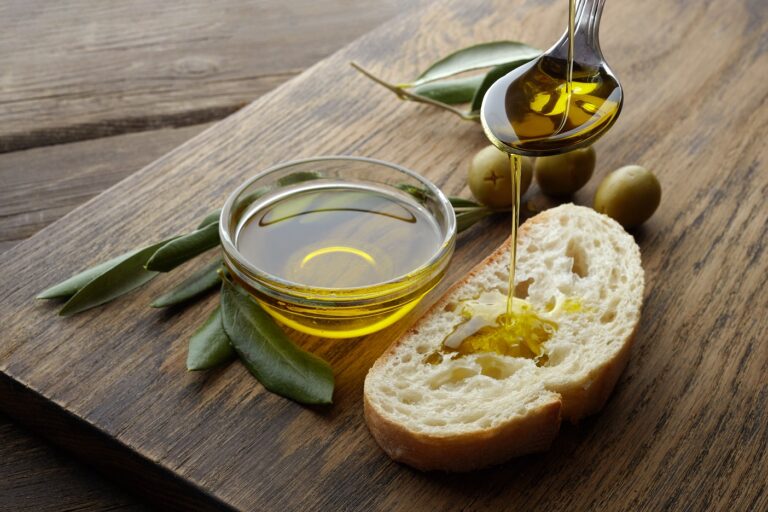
551, 105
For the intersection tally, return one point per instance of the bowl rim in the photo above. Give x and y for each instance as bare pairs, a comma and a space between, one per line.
412, 279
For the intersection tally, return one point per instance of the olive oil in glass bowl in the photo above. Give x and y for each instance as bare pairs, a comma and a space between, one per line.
337, 247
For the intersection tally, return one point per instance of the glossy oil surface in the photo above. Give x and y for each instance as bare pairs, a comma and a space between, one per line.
531, 112
492, 325
338, 237
337, 240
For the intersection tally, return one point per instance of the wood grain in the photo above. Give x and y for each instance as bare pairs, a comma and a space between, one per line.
55, 476
38, 186
95, 69
686, 426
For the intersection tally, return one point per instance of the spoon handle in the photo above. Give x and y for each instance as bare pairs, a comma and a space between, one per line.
586, 34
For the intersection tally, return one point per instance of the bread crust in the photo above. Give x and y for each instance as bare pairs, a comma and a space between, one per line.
533, 432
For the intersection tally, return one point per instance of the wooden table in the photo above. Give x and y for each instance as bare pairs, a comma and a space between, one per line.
91, 91
686, 427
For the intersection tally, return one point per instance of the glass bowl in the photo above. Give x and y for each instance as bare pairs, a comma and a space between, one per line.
328, 311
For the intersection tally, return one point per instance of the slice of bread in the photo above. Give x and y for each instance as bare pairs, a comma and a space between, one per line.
480, 409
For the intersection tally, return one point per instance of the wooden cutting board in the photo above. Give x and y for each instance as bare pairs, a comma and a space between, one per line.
686, 426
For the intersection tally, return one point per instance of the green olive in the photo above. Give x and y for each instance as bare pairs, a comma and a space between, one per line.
562, 175
630, 195
490, 177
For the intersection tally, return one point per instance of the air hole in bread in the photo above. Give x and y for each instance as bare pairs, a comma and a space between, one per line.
554, 357
550, 305
610, 311
406, 358
410, 397
563, 220
435, 422
450, 307
494, 368
533, 248
579, 265
521, 288
452, 376
422, 349
471, 418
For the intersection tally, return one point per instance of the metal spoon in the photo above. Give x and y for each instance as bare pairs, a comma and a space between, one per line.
535, 110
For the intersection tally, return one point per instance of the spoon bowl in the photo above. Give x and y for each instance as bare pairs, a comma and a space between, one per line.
536, 111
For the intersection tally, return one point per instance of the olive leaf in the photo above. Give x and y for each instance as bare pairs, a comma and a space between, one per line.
280, 365
421, 195
184, 248
460, 202
298, 177
467, 219
417, 192
404, 94
125, 276
72, 285
209, 346
482, 55
209, 219
206, 236
195, 285
490, 77
452, 92
244, 202
501, 56
468, 212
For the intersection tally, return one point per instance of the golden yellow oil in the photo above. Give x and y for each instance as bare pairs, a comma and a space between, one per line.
516, 164
546, 107
552, 104
491, 325
517, 331
335, 240
543, 114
